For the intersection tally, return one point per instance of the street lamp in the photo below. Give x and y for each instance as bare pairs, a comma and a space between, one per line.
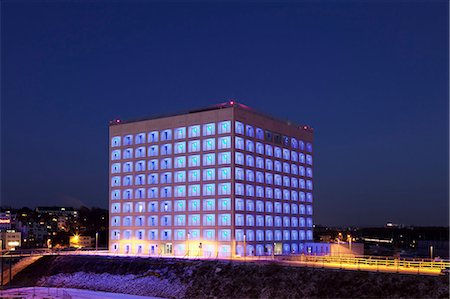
431, 251
349, 238
96, 241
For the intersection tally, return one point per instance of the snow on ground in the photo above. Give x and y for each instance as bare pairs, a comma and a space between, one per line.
149, 284
64, 293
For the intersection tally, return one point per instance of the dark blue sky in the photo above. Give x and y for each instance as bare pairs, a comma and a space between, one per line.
371, 78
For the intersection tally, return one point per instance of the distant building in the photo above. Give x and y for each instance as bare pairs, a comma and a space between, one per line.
5, 221
10, 239
222, 181
78, 241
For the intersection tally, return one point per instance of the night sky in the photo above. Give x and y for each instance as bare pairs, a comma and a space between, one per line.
371, 79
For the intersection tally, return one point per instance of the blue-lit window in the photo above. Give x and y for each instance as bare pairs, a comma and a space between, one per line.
127, 208
294, 156
194, 220
301, 235
294, 221
259, 235
180, 148
277, 152
286, 154
259, 148
239, 173
294, 182
152, 192
259, 177
239, 189
269, 220
115, 194
115, 221
140, 152
209, 205
309, 172
128, 140
309, 210
239, 159
115, 181
294, 143
166, 234
302, 184
224, 204
309, 185
180, 133
302, 222
128, 194
166, 135
152, 150
115, 168
153, 206
278, 180
249, 131
194, 131
249, 220
209, 144
180, 205
194, 175
166, 206
309, 235
127, 222
139, 166
309, 222
166, 163
128, 153
239, 128
286, 194
139, 222
278, 166
194, 161
180, 220
194, 205
277, 207
249, 145
286, 237
278, 193
140, 138
153, 235
286, 181
301, 145
166, 192
224, 173
309, 197
209, 189
209, 159
209, 174
239, 143
269, 192
269, 150
224, 142
269, 235
250, 161
180, 177
269, 178
259, 163
249, 205
269, 164
209, 220
309, 147
224, 158
259, 220
239, 220
286, 208
278, 221
180, 162
180, 191
302, 196
194, 190
209, 129
259, 206
166, 149
249, 190
302, 210
180, 234
194, 146
115, 141
140, 193
294, 169
153, 136
309, 160
224, 189
301, 158
115, 155
259, 134
153, 165
209, 234
139, 179
249, 175
239, 204
239, 236
224, 235
224, 127
286, 167
302, 170
294, 195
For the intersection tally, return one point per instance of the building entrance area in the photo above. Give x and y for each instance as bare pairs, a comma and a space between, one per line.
168, 248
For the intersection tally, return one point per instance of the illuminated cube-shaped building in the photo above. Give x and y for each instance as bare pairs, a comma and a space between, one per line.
210, 183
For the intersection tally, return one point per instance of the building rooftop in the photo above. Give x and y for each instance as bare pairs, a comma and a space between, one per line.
224, 105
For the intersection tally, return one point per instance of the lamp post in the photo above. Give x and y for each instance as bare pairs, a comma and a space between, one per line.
96, 241
245, 248
349, 238
431, 251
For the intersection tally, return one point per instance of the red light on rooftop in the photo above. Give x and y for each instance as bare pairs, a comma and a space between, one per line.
231, 102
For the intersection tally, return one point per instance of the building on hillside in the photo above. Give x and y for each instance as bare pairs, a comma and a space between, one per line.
224, 181
10, 239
